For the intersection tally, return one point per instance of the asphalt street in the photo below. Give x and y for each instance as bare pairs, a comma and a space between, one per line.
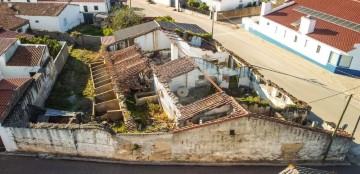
31, 165
301, 78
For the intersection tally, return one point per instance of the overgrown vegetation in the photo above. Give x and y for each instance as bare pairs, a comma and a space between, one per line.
126, 17
254, 100
119, 127
88, 29
73, 90
151, 117
198, 5
53, 45
166, 18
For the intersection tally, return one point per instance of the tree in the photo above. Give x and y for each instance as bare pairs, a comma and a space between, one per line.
126, 17
204, 7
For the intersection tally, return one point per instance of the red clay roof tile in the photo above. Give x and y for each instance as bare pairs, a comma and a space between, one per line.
11, 22
27, 56
328, 33
5, 43
32, 9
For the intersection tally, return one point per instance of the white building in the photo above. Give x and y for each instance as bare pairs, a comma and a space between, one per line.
225, 5
49, 17
327, 34
21, 60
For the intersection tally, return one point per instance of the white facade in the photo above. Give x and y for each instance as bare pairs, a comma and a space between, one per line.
19, 71
163, 2
67, 19
319, 52
153, 41
32, 1
225, 5
93, 7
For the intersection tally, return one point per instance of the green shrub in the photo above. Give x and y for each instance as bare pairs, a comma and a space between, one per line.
107, 31
126, 17
204, 7
193, 3
166, 18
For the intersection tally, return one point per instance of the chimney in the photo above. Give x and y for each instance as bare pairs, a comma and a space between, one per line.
265, 8
307, 25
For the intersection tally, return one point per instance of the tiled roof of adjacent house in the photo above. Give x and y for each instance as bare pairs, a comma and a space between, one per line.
12, 34
11, 22
32, 9
173, 69
27, 56
135, 31
211, 102
181, 26
326, 32
124, 65
9, 88
292, 169
5, 43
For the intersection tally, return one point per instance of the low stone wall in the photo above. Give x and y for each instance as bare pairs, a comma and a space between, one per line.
238, 13
85, 41
253, 139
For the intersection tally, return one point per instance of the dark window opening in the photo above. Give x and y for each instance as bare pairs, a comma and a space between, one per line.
32, 74
85, 8
232, 132
96, 7
28, 0
36, 21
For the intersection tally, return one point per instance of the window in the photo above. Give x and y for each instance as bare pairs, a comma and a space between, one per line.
27, 0
305, 43
333, 59
85, 8
32, 73
96, 7
345, 61
20, 30
285, 33
36, 21
268, 23
318, 49
65, 21
232, 132
295, 39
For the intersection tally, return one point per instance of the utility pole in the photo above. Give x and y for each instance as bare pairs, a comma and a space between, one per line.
130, 4
357, 123
336, 128
213, 21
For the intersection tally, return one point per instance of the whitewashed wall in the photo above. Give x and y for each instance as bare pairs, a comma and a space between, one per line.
102, 7
153, 41
355, 63
5, 57
32, 1
67, 19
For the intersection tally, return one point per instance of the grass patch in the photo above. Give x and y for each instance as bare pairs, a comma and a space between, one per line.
73, 90
88, 29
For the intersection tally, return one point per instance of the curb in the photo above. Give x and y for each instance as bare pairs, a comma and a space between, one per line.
68, 158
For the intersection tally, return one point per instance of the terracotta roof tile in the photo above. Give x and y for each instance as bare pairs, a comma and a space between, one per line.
32, 9
328, 33
211, 102
124, 65
5, 43
8, 88
12, 34
11, 22
173, 69
27, 56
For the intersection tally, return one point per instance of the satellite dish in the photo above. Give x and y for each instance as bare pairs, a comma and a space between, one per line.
182, 91
344, 126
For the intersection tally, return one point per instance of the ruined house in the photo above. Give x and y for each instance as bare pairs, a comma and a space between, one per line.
205, 91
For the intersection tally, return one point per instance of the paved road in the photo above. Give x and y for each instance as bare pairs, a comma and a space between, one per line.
30, 165
301, 78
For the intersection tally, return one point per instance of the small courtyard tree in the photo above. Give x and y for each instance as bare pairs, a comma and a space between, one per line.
126, 17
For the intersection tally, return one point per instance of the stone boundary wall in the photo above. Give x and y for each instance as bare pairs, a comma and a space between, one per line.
61, 58
255, 139
85, 41
238, 13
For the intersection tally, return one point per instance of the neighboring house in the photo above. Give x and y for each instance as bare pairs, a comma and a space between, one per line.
327, 34
225, 5
21, 60
41, 16
14, 23
4, 33
86, 6
292, 169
